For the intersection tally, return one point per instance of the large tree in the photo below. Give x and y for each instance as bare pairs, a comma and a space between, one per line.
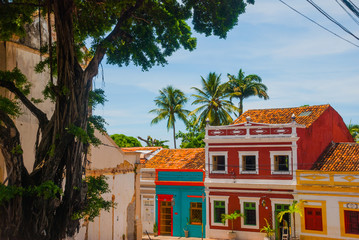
143, 32
213, 101
242, 86
170, 106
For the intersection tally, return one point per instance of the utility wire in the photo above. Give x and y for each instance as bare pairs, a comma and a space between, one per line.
350, 15
331, 18
351, 6
319, 24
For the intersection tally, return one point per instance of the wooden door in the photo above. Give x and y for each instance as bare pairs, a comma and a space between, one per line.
165, 225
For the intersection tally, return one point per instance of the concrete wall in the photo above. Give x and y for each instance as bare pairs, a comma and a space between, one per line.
148, 199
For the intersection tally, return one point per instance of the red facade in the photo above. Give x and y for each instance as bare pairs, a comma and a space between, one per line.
251, 165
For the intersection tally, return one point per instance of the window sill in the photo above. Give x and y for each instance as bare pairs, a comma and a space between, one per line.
250, 226
281, 172
219, 172
219, 225
249, 172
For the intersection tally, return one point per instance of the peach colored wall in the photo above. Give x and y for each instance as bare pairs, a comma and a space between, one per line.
108, 155
25, 59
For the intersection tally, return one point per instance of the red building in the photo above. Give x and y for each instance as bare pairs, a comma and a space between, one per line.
251, 164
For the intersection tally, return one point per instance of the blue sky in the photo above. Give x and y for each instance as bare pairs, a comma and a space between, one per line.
299, 62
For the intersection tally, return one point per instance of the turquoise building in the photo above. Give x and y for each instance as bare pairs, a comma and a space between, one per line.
180, 202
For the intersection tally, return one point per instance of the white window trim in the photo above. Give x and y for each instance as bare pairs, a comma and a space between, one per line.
225, 154
219, 198
242, 200
247, 153
274, 153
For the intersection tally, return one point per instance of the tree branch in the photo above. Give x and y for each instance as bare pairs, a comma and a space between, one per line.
40, 115
9, 142
92, 68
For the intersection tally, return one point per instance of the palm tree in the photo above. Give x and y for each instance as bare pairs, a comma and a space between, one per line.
295, 207
242, 87
214, 105
354, 131
170, 105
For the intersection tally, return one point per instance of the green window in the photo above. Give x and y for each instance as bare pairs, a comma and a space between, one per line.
250, 213
219, 209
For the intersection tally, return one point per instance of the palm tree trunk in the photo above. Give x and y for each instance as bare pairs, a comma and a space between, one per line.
240, 107
174, 135
295, 235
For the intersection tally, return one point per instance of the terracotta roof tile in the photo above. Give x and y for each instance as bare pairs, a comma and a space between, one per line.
189, 158
342, 157
304, 115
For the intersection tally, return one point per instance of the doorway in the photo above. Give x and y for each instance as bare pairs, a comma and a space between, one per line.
284, 224
165, 217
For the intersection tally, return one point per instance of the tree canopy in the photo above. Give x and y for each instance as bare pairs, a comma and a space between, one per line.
153, 142
142, 32
242, 87
354, 131
194, 135
170, 104
125, 141
213, 102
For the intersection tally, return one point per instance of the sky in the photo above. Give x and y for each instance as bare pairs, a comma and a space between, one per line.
298, 61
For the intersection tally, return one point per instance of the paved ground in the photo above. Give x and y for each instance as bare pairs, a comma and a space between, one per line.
145, 237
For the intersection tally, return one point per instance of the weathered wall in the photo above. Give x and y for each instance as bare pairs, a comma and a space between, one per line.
108, 155
25, 59
148, 192
108, 159
115, 223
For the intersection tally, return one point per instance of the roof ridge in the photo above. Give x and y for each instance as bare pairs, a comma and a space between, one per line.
288, 107
349, 143
183, 149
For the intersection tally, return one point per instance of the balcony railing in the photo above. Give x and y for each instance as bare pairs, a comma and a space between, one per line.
250, 130
329, 179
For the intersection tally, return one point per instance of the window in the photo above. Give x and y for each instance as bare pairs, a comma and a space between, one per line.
219, 208
313, 219
351, 219
196, 213
218, 162
248, 162
249, 208
280, 162
250, 213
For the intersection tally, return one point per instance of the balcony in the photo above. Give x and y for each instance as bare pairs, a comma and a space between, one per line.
327, 179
